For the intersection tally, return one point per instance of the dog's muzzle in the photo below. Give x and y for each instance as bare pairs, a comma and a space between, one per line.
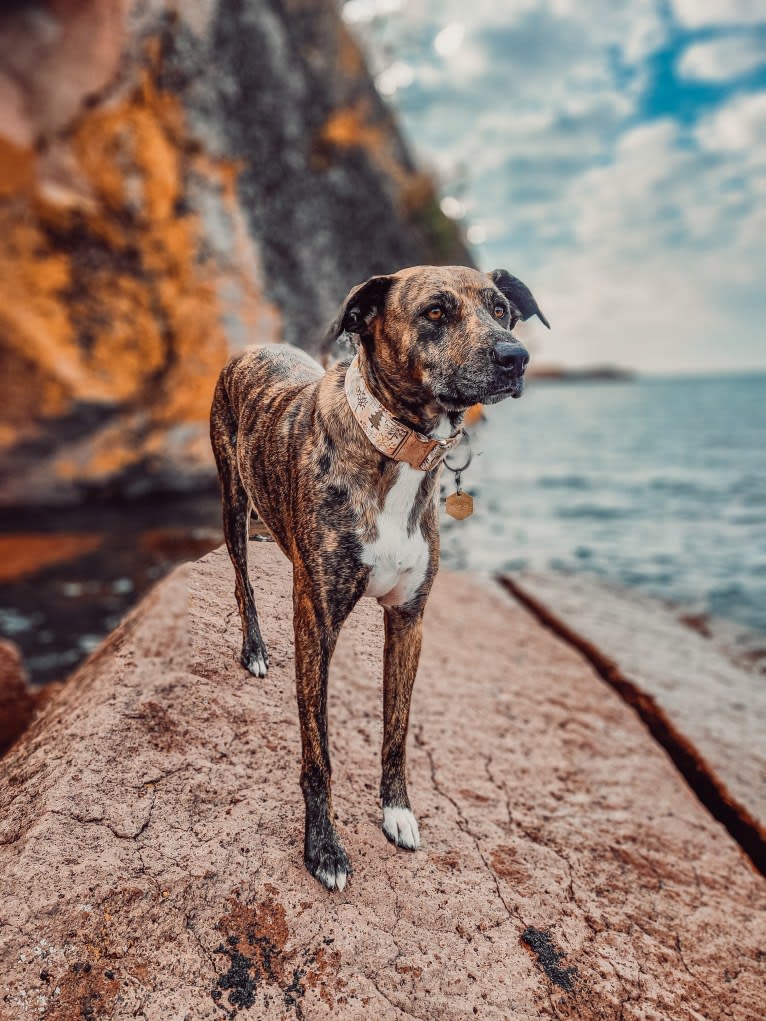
510, 360
512, 357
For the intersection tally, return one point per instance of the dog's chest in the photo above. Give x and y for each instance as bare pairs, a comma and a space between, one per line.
399, 560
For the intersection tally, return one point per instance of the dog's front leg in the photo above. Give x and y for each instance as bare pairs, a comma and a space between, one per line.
316, 632
403, 635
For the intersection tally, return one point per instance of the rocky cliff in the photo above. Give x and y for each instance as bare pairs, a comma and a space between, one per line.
177, 181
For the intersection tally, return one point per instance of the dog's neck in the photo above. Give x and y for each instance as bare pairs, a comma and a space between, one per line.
389, 433
426, 418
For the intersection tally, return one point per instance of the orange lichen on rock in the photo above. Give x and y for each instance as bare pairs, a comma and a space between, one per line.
105, 453
41, 362
107, 293
17, 165
23, 554
349, 126
474, 415
131, 155
156, 300
354, 126
148, 197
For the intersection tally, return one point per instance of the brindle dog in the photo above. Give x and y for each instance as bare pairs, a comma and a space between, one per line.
432, 341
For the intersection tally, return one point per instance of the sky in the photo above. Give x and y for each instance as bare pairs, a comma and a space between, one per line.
613, 156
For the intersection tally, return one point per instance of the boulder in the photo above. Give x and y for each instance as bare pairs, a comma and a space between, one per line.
151, 833
178, 181
17, 704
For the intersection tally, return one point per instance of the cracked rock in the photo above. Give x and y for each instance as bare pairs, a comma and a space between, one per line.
151, 833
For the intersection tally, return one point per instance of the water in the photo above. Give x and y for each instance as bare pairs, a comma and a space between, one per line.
657, 483
58, 609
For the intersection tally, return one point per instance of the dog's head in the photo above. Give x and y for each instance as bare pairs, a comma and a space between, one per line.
441, 336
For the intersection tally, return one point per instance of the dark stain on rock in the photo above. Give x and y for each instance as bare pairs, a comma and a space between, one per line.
260, 966
548, 957
82, 994
266, 967
509, 865
480, 799
161, 728
448, 861
241, 979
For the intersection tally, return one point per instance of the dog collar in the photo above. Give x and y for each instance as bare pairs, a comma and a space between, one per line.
387, 434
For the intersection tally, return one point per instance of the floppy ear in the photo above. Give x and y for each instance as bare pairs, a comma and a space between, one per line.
356, 313
518, 294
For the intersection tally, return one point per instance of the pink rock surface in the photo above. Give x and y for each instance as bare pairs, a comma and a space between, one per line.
714, 702
17, 703
152, 817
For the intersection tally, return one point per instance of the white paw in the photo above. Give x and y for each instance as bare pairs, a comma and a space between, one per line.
256, 664
401, 827
333, 879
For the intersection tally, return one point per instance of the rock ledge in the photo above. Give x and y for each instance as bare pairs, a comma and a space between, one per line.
150, 834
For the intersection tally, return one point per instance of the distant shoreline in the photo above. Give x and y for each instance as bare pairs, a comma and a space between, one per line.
595, 373
616, 374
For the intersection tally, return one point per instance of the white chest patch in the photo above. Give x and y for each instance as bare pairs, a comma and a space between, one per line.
398, 560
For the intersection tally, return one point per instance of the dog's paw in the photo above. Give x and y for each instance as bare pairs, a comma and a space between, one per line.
401, 827
329, 864
255, 659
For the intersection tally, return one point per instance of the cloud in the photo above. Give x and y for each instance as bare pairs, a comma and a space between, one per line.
717, 60
641, 238
450, 39
704, 13
737, 127
667, 250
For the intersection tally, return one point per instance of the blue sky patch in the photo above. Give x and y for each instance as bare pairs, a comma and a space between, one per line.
614, 156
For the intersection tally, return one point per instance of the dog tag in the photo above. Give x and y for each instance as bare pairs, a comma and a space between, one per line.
460, 505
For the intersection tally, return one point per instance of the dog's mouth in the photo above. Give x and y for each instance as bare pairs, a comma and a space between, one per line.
513, 389
458, 401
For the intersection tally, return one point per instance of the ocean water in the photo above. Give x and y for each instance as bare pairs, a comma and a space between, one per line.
657, 483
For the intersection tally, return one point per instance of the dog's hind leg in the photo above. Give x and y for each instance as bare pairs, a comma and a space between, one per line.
236, 518
403, 635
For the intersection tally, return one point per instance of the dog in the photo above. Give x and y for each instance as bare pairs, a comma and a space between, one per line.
342, 466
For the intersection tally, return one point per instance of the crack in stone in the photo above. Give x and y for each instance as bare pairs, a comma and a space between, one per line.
708, 788
390, 1002
503, 788
697, 978
512, 913
197, 939
107, 823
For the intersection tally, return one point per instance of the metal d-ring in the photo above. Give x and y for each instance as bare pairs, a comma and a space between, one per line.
467, 439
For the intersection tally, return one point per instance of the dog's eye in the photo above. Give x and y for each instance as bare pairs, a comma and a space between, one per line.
499, 311
436, 313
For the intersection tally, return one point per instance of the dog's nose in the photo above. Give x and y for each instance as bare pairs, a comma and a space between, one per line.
510, 356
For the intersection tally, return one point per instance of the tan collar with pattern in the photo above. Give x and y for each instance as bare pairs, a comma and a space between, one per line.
389, 436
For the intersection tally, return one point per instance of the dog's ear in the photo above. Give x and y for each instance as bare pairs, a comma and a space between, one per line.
518, 294
361, 305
